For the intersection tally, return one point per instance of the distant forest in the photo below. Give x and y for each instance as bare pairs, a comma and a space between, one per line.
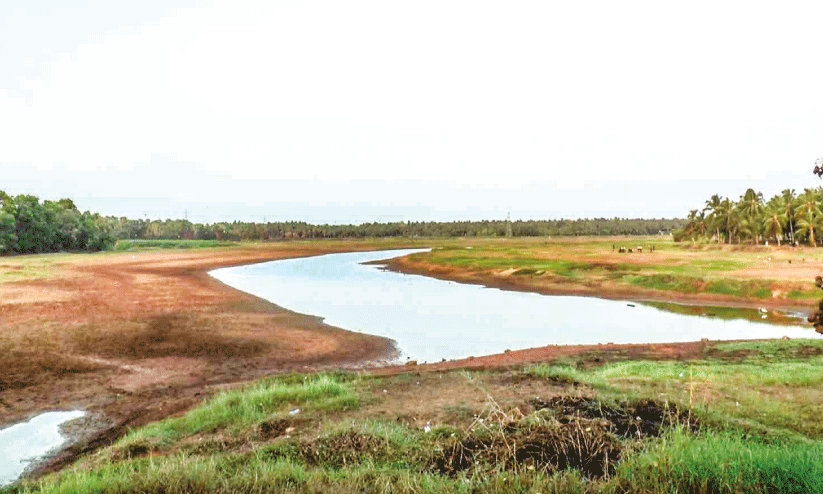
28, 225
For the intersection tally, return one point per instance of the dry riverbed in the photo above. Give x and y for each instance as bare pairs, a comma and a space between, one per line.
138, 336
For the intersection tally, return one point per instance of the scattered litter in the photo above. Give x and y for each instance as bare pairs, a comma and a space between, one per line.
630, 305
294, 411
764, 311
427, 427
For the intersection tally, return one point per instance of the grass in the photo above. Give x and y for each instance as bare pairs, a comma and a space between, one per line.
710, 272
29, 267
138, 245
723, 463
751, 436
773, 383
239, 409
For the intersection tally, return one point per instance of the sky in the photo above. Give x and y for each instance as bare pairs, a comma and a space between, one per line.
351, 111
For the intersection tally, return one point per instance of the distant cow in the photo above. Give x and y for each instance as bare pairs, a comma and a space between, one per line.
630, 251
639, 248
622, 250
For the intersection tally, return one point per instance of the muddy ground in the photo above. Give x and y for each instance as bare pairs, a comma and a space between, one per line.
136, 337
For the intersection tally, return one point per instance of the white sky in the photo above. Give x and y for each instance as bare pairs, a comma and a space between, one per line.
381, 110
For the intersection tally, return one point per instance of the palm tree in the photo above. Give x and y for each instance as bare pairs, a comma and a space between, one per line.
714, 219
774, 222
696, 225
808, 211
724, 216
751, 206
787, 198
737, 224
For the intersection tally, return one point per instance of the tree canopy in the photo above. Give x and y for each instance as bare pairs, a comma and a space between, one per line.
786, 217
28, 225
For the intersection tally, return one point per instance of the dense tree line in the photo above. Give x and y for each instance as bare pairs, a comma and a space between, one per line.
29, 226
786, 217
125, 228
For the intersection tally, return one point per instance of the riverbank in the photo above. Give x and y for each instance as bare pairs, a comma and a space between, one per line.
780, 279
135, 337
714, 423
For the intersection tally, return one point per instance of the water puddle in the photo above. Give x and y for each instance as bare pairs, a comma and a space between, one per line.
24, 443
432, 319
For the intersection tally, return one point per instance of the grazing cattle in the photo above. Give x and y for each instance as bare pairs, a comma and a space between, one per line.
630, 251
639, 248
622, 250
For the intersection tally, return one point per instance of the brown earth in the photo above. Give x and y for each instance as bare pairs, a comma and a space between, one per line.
136, 337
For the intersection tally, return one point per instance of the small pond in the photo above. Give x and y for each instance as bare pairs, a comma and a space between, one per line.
432, 319
21, 444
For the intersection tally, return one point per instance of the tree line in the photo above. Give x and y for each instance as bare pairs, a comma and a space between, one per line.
785, 218
237, 231
29, 226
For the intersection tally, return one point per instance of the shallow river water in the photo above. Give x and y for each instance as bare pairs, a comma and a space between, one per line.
432, 319
23, 443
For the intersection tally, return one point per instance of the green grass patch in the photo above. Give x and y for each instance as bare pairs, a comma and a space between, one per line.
135, 245
242, 408
740, 288
723, 463
683, 284
748, 417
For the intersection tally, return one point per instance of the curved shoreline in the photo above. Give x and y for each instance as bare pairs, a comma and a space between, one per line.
149, 334
133, 294
633, 294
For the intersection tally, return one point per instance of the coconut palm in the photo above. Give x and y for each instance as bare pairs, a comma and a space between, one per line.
786, 200
774, 222
751, 207
714, 218
695, 226
724, 217
808, 213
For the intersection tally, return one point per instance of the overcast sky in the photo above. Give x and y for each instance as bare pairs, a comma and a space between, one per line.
383, 110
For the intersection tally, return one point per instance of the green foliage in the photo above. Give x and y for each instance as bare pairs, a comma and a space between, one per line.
745, 447
124, 228
251, 404
784, 218
723, 463
28, 226
134, 244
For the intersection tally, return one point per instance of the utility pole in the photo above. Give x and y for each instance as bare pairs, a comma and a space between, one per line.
509, 225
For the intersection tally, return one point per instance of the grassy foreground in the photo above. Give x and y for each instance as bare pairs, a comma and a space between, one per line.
744, 418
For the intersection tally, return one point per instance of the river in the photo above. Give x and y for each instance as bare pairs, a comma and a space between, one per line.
432, 319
